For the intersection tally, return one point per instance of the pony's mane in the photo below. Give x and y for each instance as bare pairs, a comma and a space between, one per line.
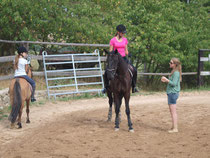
122, 62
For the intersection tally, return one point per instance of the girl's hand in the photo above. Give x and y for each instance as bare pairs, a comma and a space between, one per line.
164, 79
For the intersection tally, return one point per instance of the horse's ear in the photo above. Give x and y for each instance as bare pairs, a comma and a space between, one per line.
106, 51
116, 51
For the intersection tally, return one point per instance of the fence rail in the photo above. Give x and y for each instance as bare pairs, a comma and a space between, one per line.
55, 43
39, 57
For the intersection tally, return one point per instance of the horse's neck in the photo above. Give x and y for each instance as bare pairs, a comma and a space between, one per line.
122, 67
29, 73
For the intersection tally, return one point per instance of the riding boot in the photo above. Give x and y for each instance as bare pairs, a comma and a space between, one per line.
32, 95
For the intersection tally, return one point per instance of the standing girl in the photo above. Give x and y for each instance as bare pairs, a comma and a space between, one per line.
20, 66
173, 89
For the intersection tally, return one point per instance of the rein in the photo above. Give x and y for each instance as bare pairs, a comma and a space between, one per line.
110, 69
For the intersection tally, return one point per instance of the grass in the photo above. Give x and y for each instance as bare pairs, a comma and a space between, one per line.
39, 102
202, 88
79, 96
4, 112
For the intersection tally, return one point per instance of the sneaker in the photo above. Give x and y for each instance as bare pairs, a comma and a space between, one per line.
173, 131
33, 99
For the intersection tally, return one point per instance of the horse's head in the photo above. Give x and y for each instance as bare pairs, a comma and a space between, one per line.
29, 71
29, 67
112, 64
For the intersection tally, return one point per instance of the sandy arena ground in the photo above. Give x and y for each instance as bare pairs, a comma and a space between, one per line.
78, 129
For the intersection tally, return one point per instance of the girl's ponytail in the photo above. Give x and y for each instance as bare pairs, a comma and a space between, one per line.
16, 62
178, 67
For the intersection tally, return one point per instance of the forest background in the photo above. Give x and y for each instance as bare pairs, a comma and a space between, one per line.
157, 30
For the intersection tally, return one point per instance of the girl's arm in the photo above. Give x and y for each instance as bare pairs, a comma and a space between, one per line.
126, 50
175, 79
110, 48
172, 82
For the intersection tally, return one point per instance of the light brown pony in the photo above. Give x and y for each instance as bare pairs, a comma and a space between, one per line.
20, 92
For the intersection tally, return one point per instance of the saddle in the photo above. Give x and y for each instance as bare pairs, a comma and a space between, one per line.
130, 69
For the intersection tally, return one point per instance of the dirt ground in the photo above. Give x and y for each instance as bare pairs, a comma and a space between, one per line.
79, 129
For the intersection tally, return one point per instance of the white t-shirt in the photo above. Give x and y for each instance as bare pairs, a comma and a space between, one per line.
21, 67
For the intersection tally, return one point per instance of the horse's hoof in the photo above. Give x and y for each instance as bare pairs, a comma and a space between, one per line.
109, 120
19, 125
28, 121
12, 126
131, 130
116, 129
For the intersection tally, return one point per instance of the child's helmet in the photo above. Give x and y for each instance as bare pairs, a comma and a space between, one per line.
21, 50
121, 28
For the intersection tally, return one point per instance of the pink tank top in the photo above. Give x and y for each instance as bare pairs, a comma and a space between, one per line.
120, 46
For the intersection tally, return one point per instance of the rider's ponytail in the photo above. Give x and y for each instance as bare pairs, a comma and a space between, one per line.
16, 62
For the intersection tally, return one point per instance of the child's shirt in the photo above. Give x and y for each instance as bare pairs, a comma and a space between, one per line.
20, 71
120, 46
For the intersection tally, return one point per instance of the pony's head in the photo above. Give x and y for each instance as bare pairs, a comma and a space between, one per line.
112, 63
29, 71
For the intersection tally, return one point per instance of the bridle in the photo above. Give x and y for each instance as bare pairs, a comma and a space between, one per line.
112, 71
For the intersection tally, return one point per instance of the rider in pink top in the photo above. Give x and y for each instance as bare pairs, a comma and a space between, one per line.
119, 42
120, 46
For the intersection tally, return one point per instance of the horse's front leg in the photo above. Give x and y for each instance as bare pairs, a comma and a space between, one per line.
27, 111
117, 110
127, 110
109, 94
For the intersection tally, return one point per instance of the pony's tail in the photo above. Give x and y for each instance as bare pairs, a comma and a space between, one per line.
17, 101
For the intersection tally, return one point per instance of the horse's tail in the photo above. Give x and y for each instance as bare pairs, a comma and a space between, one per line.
17, 101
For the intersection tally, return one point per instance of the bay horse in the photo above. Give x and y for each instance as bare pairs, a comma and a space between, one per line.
19, 92
120, 81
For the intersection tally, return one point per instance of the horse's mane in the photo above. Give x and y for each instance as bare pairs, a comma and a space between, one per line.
123, 63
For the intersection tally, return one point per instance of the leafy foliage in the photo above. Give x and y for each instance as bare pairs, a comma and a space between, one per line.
157, 30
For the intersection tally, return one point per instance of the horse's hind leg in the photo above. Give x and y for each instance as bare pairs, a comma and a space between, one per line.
19, 116
127, 98
109, 94
120, 106
27, 111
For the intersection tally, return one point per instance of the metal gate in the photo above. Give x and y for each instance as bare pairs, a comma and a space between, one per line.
74, 73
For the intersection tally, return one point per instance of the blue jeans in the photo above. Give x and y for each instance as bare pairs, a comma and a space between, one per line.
32, 83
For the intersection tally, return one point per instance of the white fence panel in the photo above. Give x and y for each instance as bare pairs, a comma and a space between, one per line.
73, 81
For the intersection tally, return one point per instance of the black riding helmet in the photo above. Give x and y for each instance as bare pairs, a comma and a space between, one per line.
121, 28
21, 50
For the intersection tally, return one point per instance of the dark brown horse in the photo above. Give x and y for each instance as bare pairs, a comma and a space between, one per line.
120, 81
20, 92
